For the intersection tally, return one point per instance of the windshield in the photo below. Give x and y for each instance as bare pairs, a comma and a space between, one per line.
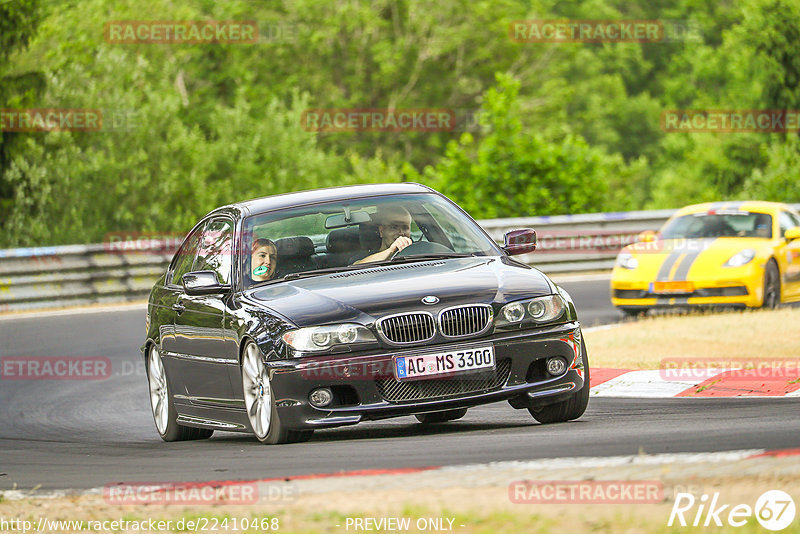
719, 224
356, 233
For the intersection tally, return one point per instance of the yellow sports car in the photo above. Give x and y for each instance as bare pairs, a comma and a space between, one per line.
720, 253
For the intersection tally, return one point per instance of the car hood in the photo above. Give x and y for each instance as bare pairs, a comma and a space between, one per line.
363, 295
685, 258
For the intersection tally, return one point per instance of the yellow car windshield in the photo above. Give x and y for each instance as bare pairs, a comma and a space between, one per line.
719, 224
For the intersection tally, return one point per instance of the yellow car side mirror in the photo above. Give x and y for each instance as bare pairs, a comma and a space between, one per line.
792, 233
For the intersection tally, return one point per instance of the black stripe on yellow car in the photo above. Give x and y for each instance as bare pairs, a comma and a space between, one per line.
666, 267
682, 272
686, 263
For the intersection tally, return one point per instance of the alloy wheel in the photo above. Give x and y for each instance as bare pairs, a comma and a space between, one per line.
159, 400
257, 391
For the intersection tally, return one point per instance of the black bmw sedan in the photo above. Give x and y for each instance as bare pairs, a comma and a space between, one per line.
309, 310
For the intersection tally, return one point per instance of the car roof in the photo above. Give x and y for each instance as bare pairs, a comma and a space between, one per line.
759, 206
287, 200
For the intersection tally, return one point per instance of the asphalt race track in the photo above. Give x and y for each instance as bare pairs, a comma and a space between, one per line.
89, 433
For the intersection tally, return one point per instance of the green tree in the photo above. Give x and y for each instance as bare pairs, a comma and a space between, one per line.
511, 172
18, 23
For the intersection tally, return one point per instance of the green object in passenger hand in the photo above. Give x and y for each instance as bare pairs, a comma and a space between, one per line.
258, 271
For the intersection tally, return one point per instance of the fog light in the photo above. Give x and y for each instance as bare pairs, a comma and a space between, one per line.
556, 366
320, 397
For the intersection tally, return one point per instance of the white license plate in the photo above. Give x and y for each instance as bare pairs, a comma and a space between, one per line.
444, 363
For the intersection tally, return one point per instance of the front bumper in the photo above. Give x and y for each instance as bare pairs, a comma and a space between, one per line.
740, 288
365, 388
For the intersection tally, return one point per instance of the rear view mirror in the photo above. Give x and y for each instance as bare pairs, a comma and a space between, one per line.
202, 283
519, 241
348, 218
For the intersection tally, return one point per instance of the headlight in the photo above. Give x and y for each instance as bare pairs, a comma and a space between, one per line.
514, 313
539, 310
741, 258
627, 261
319, 338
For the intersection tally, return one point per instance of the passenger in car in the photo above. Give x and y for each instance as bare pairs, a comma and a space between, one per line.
763, 226
394, 227
263, 260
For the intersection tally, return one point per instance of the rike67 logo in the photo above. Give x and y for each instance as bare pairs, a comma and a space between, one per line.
774, 510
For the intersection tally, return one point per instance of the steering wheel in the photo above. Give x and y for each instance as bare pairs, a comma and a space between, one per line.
422, 247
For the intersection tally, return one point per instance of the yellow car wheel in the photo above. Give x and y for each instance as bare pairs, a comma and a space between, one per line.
772, 286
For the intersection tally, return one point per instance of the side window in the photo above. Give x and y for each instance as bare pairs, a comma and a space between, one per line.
216, 249
795, 218
786, 221
184, 258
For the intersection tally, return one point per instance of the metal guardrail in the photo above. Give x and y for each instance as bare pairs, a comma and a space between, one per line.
579, 243
71, 275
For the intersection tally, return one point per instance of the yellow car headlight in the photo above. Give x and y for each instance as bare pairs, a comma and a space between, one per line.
627, 261
741, 258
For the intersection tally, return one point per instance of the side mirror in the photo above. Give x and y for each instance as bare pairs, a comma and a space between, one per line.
519, 241
202, 283
648, 236
792, 233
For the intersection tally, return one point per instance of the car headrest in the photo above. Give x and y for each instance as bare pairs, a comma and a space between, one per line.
368, 236
294, 247
343, 240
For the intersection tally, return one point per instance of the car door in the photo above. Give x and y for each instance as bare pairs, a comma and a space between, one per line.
201, 342
788, 254
166, 310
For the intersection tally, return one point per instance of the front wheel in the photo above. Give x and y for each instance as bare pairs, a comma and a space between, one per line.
772, 286
259, 401
164, 413
571, 408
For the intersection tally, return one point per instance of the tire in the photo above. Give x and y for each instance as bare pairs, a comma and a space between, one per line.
259, 400
165, 416
772, 286
441, 417
571, 408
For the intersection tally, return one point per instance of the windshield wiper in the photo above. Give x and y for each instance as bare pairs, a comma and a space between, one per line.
359, 266
329, 270
423, 257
